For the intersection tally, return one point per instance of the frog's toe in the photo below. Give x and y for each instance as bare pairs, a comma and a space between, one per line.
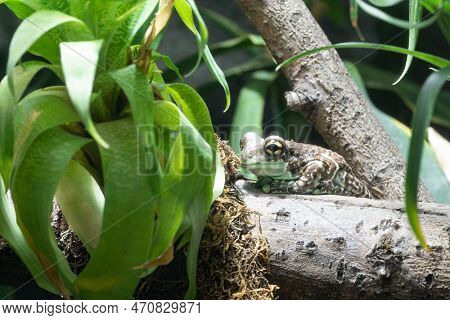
266, 188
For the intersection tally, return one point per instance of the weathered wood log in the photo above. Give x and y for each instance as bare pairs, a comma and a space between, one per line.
326, 95
332, 247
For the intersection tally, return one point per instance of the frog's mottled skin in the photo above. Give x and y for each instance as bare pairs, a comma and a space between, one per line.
290, 167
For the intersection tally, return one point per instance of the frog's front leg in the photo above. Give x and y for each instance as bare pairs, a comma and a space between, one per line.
308, 181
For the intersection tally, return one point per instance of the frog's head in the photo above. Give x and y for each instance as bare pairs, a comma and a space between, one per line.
265, 157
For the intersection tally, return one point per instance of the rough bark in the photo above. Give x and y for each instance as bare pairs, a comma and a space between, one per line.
332, 247
326, 95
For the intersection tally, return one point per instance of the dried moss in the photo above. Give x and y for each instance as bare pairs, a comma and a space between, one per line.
233, 260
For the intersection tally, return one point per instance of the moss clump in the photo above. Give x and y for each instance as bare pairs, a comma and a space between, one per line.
234, 255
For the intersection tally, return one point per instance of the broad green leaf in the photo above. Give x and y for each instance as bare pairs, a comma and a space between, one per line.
250, 107
11, 233
195, 110
405, 24
421, 120
33, 188
431, 172
33, 28
199, 170
186, 9
36, 5
406, 90
82, 202
22, 75
128, 26
415, 15
37, 114
182, 171
79, 64
432, 59
140, 97
128, 217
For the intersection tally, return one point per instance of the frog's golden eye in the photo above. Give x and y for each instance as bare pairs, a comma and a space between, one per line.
274, 147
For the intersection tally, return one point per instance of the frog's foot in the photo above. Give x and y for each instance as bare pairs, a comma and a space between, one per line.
278, 186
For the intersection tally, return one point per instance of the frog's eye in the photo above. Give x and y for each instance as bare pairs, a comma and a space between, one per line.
274, 147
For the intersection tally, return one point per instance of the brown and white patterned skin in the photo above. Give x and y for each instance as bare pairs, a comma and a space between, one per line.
308, 169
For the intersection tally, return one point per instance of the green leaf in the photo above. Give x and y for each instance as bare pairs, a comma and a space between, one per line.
33, 28
128, 217
432, 59
22, 75
404, 24
218, 75
421, 120
168, 62
79, 63
195, 110
187, 161
82, 201
199, 170
186, 9
37, 114
36, 5
250, 42
385, 3
11, 233
250, 107
33, 188
415, 15
431, 172
128, 25
140, 97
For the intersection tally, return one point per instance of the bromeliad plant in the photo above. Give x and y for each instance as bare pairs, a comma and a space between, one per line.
130, 159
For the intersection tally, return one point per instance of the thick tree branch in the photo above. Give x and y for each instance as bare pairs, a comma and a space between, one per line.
323, 91
332, 247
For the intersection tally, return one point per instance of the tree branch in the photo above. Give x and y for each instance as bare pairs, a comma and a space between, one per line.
326, 95
332, 247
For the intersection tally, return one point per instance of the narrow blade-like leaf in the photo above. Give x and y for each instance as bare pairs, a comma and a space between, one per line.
432, 59
421, 120
22, 76
11, 233
79, 62
33, 188
128, 217
140, 97
415, 14
37, 114
32, 29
